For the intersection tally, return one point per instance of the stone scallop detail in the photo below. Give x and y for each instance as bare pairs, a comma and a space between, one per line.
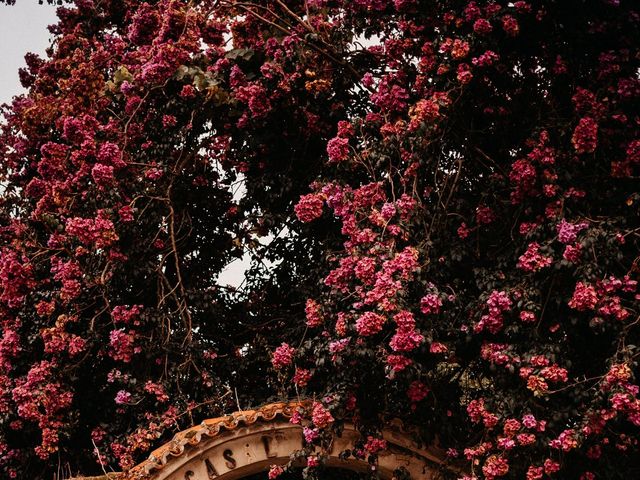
210, 428
243, 443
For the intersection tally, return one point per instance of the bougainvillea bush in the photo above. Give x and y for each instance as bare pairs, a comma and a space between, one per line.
439, 200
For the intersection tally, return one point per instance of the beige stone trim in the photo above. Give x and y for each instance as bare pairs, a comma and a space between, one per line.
248, 442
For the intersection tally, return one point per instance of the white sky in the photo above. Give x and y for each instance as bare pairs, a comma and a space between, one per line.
23, 28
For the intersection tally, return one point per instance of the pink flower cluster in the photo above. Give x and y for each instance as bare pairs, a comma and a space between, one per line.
301, 377
123, 397
510, 25
523, 177
584, 297
425, 111
111, 155
572, 253
103, 175
568, 232
157, 390
532, 260
499, 353
320, 416
122, 345
68, 273
478, 413
390, 96
486, 59
40, 399
275, 471
309, 207
56, 341
98, 232
365, 270
256, 98
283, 356
417, 391
482, 26
313, 313
375, 445
397, 363
369, 323
484, 215
15, 278
585, 136
126, 315
498, 303
406, 338
495, 466
619, 373
566, 441
338, 149
310, 434
389, 279
430, 304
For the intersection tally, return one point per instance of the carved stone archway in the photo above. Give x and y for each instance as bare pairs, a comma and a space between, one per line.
248, 442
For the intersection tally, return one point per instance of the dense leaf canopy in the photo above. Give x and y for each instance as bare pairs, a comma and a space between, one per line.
439, 200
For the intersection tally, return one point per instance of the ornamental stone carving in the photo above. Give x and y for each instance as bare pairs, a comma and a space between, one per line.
249, 442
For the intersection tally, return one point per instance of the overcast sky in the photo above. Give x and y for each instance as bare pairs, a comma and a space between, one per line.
23, 28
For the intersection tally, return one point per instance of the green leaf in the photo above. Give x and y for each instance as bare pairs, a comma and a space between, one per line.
243, 53
121, 75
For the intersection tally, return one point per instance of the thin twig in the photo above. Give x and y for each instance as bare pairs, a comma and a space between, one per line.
99, 458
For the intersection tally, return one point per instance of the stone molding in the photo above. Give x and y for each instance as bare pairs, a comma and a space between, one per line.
249, 441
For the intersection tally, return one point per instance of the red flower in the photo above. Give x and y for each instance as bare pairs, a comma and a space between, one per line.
338, 149
309, 207
320, 416
417, 392
370, 323
584, 297
283, 356
585, 136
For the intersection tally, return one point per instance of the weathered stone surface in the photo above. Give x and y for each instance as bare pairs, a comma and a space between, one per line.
248, 442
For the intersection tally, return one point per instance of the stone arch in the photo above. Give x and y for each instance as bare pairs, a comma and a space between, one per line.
248, 442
